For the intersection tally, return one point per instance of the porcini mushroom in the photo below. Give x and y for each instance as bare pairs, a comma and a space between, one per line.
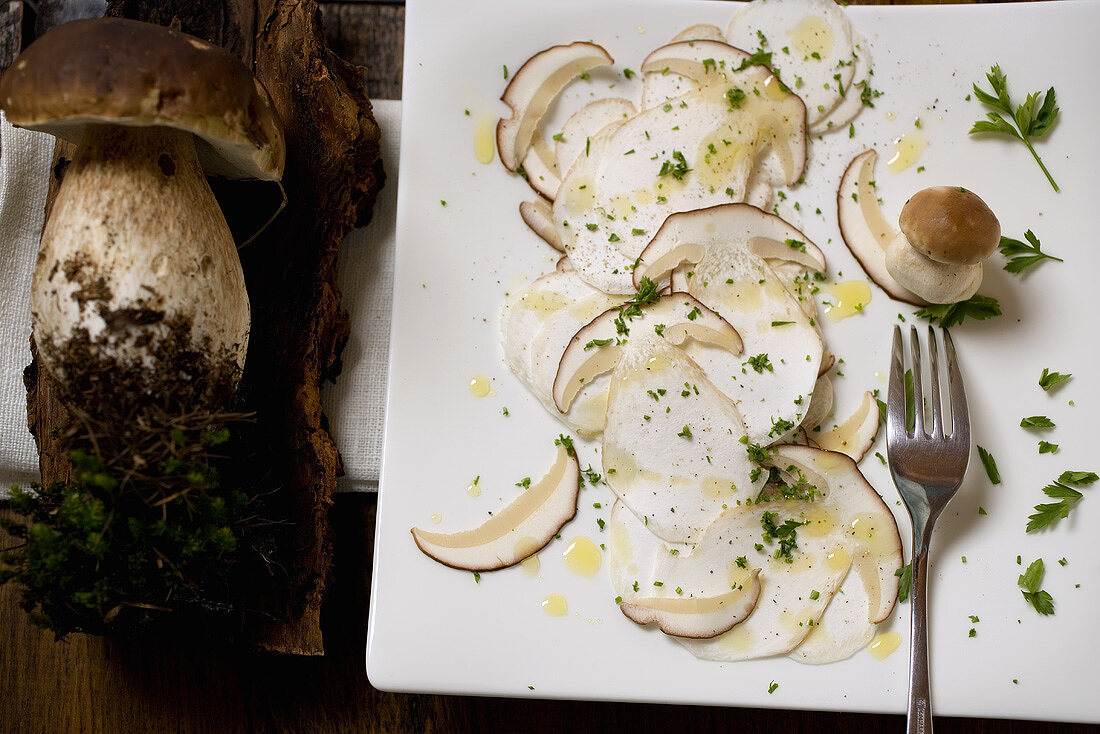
138, 273
946, 232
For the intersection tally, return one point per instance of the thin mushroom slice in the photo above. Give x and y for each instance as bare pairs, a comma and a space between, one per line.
821, 404
729, 73
577, 132
526, 312
857, 433
686, 237
520, 529
818, 35
536, 215
700, 32
697, 617
849, 532
534, 87
671, 448
540, 169
843, 630
852, 103
596, 348
864, 229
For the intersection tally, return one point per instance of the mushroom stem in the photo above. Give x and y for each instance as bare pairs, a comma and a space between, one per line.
137, 267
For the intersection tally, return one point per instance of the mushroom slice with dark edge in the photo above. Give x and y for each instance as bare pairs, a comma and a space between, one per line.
697, 617
856, 434
773, 384
818, 35
514, 533
684, 239
700, 32
540, 169
726, 70
670, 448
849, 529
136, 255
534, 87
536, 215
577, 132
596, 348
864, 229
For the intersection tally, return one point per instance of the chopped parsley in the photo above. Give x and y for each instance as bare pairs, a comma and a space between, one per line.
1048, 513
990, 465
759, 363
786, 534
905, 581
1037, 421
1049, 380
1029, 583
677, 167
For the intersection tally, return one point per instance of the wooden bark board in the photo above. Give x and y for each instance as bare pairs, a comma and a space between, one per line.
298, 327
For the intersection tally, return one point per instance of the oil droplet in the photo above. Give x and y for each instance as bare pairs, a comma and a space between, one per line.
812, 35
884, 644
907, 150
851, 296
484, 139
582, 557
555, 605
530, 565
891, 116
479, 386
437, 517
473, 489
838, 559
880, 376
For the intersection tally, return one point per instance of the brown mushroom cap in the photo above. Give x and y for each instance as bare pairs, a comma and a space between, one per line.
125, 72
950, 224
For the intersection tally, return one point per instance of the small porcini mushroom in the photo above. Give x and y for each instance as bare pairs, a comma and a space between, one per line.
136, 254
950, 224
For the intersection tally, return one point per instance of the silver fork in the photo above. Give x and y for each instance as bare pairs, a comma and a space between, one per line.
927, 469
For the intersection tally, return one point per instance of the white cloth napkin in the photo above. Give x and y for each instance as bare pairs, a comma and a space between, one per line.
355, 404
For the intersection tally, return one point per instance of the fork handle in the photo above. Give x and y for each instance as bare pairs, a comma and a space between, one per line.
919, 716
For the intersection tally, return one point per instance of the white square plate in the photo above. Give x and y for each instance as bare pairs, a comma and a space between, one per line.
434, 629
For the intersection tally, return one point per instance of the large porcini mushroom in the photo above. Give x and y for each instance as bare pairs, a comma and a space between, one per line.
946, 232
138, 273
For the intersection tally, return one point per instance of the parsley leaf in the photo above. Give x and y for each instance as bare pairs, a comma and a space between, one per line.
906, 581
1031, 119
990, 465
677, 167
977, 307
1048, 513
1048, 380
1029, 583
1022, 256
1036, 421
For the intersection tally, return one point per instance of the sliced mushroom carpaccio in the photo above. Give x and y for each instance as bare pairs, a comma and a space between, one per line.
536, 215
534, 87
540, 168
857, 433
672, 71
852, 103
863, 227
595, 348
773, 381
671, 449
514, 533
849, 527
586, 123
819, 37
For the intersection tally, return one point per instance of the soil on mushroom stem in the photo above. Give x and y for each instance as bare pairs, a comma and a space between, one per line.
155, 526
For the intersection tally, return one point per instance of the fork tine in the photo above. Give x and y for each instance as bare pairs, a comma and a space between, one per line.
960, 414
918, 395
933, 366
895, 397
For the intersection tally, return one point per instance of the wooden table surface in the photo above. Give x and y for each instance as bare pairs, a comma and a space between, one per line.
87, 684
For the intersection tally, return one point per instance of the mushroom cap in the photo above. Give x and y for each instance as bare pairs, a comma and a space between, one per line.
933, 281
950, 224
126, 72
